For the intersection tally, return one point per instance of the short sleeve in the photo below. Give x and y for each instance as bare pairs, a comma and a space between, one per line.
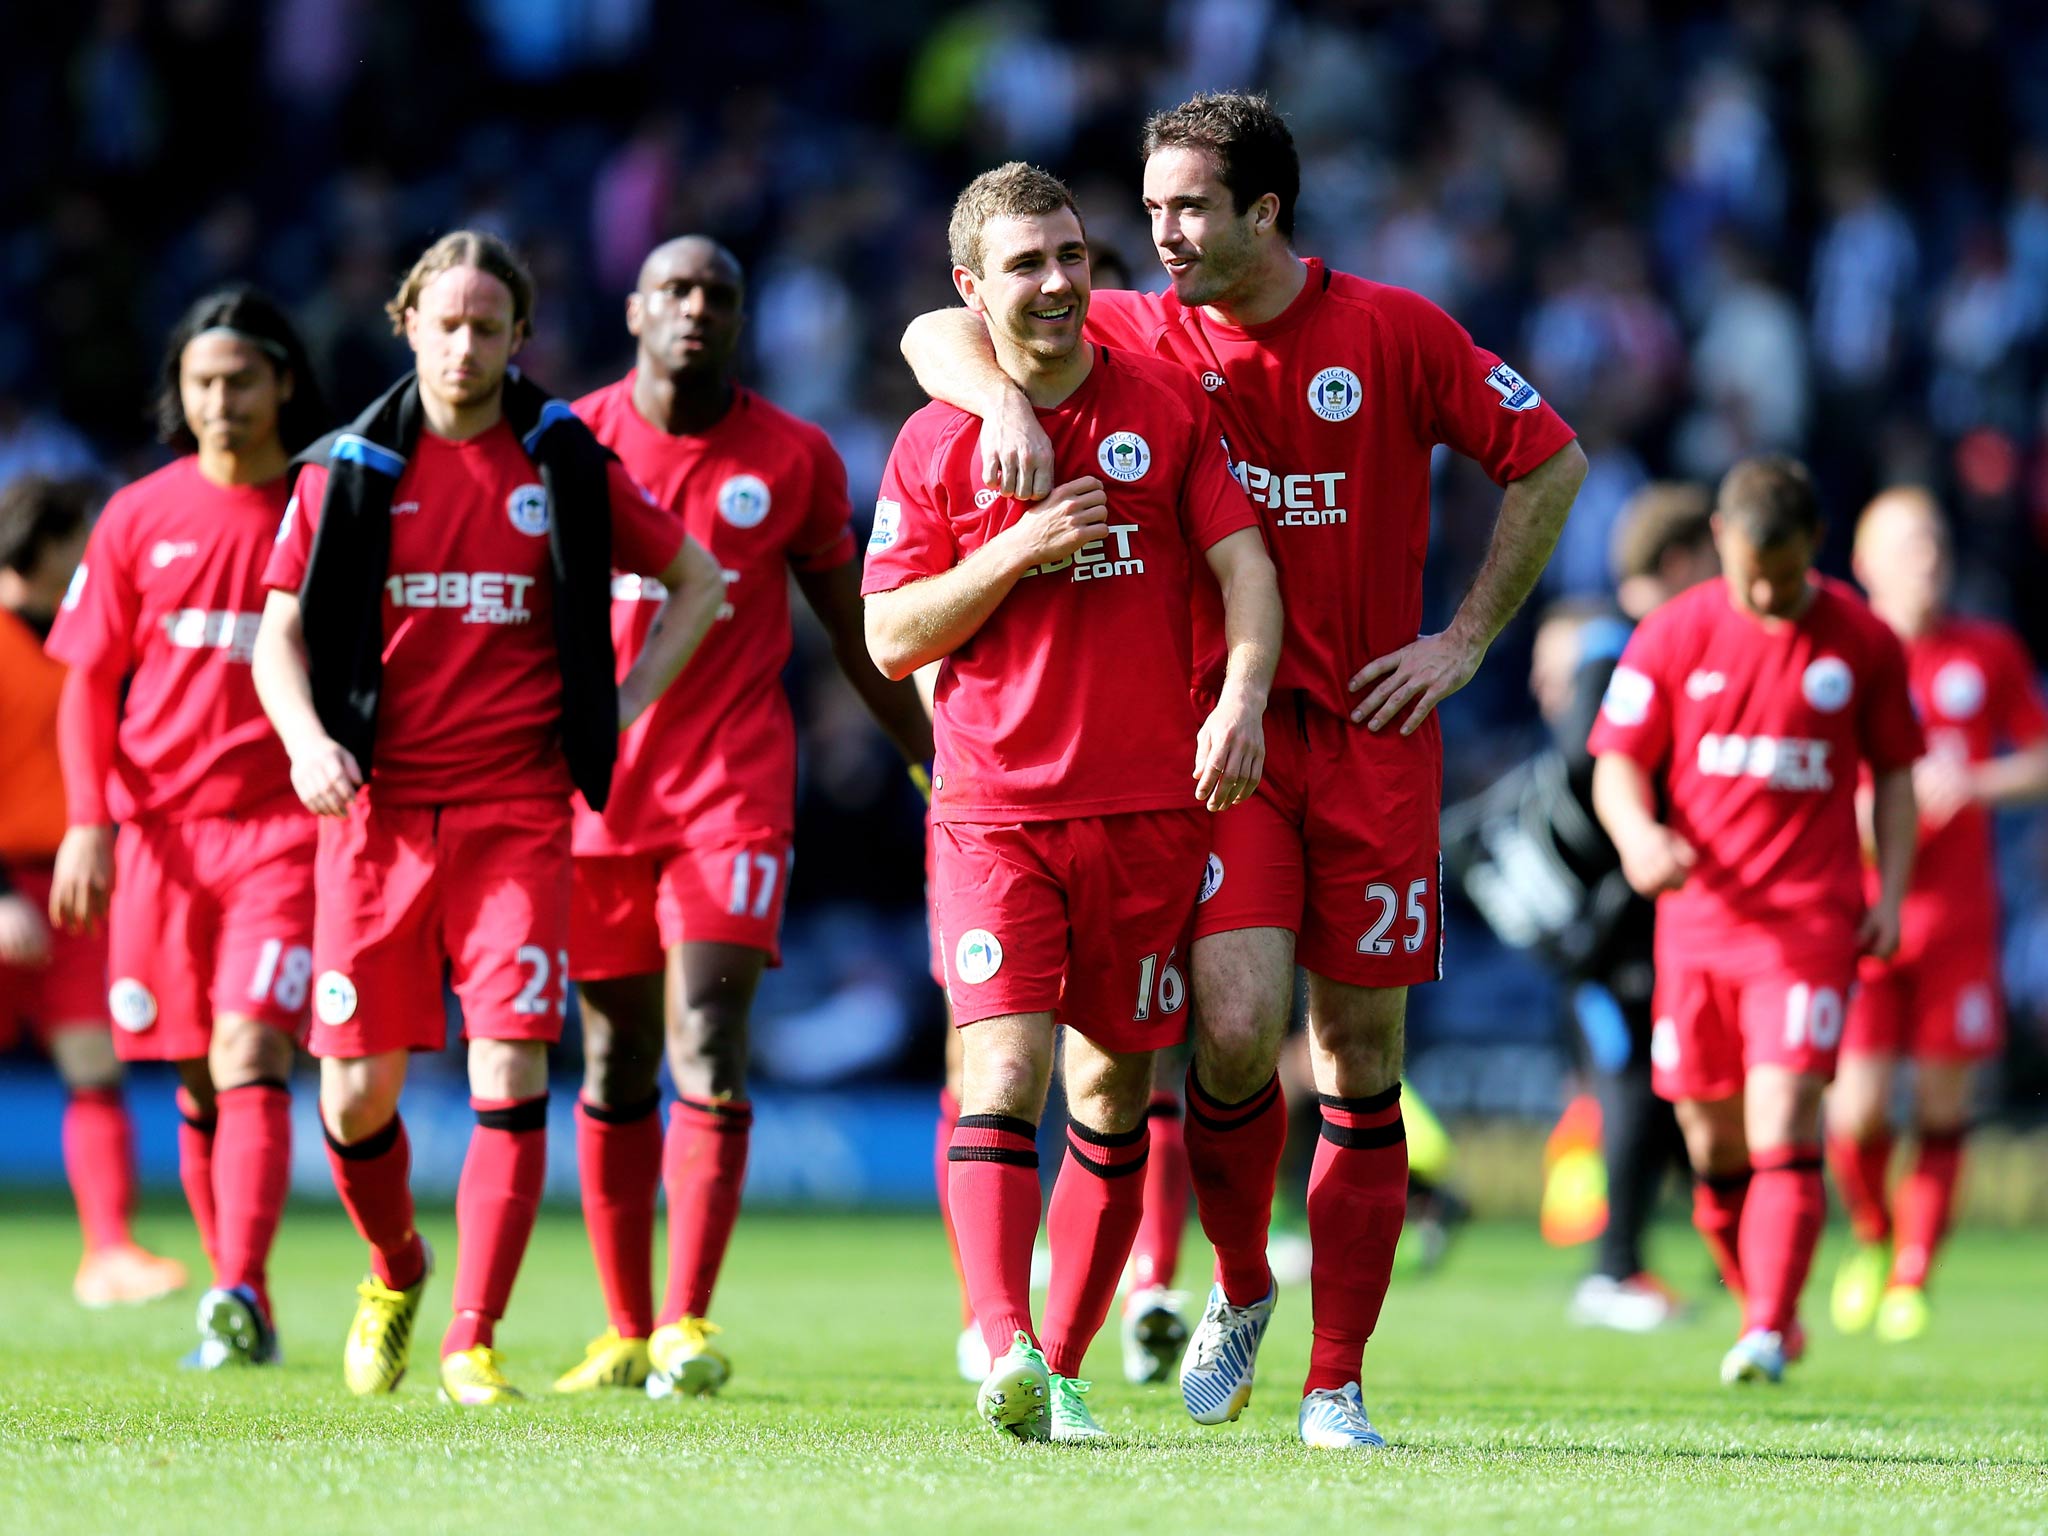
1122, 317
1635, 711
645, 535
95, 625
912, 538
824, 540
2022, 718
292, 552
1213, 505
1476, 403
1890, 732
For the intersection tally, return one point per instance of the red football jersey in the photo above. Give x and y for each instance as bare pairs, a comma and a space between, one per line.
1330, 411
715, 758
1973, 687
1072, 700
171, 591
472, 697
1757, 732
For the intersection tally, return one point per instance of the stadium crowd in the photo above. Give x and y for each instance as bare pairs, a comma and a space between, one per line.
1707, 229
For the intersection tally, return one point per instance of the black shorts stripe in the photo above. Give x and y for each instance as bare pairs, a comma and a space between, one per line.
621, 1114
1010, 1125
1095, 1138
1360, 1138
526, 1115
1372, 1104
374, 1145
1017, 1157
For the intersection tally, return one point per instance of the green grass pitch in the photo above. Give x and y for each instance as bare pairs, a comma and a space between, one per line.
844, 1414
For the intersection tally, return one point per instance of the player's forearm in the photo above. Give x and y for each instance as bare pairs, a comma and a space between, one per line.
88, 722
1532, 514
926, 620
949, 352
284, 683
1251, 630
2018, 778
695, 590
1895, 823
1621, 796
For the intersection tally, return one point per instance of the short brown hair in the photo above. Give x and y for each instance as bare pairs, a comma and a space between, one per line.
37, 511
477, 248
1664, 515
1247, 138
1013, 191
1771, 500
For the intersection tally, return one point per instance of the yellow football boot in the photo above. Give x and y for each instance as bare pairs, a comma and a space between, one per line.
379, 1343
470, 1378
684, 1363
1859, 1286
609, 1361
1902, 1315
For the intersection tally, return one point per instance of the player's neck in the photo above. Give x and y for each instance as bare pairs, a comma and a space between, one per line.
1908, 623
678, 404
1266, 291
1046, 381
256, 467
459, 423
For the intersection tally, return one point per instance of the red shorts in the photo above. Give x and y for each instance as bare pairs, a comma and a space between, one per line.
1341, 846
406, 890
1085, 918
628, 910
210, 917
1711, 1028
931, 903
1941, 1005
69, 992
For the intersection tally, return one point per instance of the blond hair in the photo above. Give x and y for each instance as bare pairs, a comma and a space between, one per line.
477, 248
1013, 191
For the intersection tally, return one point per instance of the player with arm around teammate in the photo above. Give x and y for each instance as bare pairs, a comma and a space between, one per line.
436, 657
1074, 778
1332, 392
1934, 1003
1746, 707
208, 889
680, 883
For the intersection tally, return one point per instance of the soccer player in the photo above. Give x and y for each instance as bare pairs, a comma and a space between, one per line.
208, 890
1068, 848
1746, 708
680, 883
1332, 392
1936, 1001
55, 982
436, 656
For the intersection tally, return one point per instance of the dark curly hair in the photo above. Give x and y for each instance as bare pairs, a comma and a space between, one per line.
259, 319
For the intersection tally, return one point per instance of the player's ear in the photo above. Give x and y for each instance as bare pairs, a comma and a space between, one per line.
635, 314
966, 284
1266, 213
521, 330
287, 381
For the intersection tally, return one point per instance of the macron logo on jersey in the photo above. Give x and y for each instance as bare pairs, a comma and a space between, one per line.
1303, 501
1783, 762
1093, 562
213, 629
488, 597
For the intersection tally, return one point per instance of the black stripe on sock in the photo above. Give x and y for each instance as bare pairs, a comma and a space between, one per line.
1109, 1170
374, 1145
1359, 1138
1371, 1104
741, 1113
1008, 1124
1019, 1157
1214, 1115
279, 1083
1802, 1165
1165, 1109
526, 1115
1724, 1182
1095, 1138
1954, 1138
202, 1123
621, 1114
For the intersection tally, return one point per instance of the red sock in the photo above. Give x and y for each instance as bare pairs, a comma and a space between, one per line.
1717, 1202
949, 1114
1097, 1202
195, 1172
618, 1167
373, 1177
252, 1174
992, 1166
1357, 1198
1781, 1223
99, 1160
1925, 1200
1860, 1168
1234, 1160
1156, 1254
495, 1205
703, 1166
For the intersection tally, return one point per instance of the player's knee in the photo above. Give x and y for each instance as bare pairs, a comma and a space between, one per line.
1237, 1046
356, 1112
619, 1068
707, 1050
246, 1050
